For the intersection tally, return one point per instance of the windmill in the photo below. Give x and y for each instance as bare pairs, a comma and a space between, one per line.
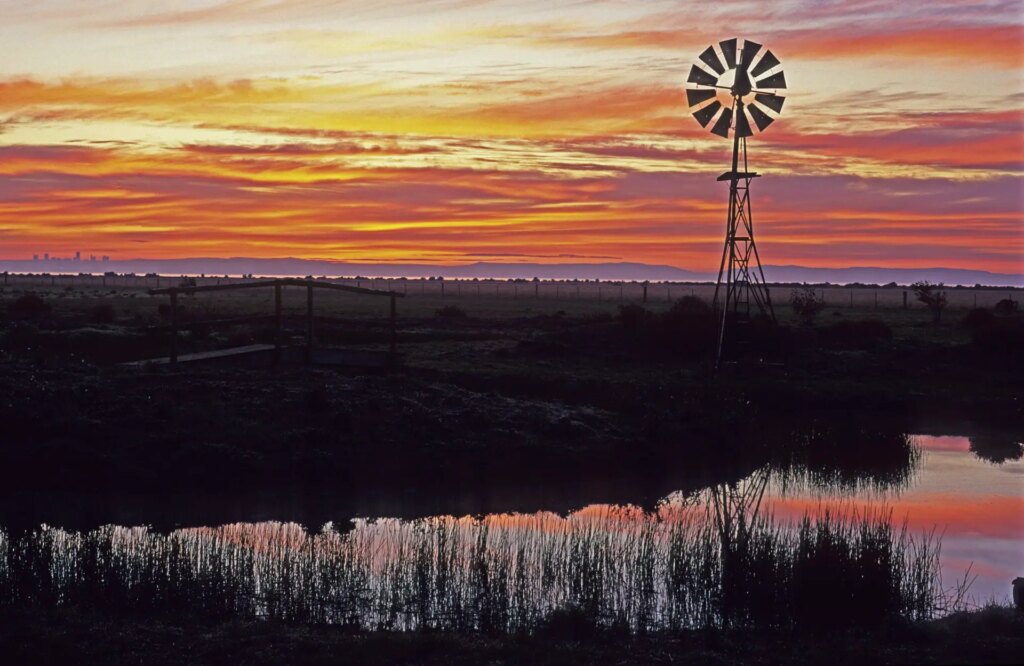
749, 84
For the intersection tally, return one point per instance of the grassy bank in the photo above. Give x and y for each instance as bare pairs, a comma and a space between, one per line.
992, 635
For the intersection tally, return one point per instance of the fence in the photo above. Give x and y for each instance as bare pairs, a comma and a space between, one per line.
568, 290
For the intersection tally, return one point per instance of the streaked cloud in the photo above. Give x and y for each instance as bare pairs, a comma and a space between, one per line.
450, 130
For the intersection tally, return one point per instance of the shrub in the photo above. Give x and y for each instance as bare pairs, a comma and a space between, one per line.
451, 312
102, 313
998, 335
688, 328
978, 318
1005, 307
865, 334
29, 306
932, 296
806, 304
633, 316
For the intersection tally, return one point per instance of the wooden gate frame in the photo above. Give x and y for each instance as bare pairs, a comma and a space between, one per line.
277, 284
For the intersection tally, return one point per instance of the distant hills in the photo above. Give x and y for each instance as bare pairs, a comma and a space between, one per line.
627, 271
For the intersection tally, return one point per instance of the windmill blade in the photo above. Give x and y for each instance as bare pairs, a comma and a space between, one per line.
695, 97
729, 51
750, 50
710, 58
773, 102
761, 119
721, 127
743, 125
699, 76
774, 81
768, 61
705, 115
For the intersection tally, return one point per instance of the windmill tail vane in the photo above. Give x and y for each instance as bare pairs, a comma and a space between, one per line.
747, 78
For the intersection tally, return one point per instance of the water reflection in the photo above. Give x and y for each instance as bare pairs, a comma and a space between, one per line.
836, 510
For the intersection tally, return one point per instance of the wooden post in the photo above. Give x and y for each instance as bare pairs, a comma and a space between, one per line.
536, 289
394, 333
309, 323
278, 337
645, 292
904, 300
442, 290
174, 327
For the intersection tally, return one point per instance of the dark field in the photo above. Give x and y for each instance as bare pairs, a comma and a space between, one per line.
543, 402
499, 403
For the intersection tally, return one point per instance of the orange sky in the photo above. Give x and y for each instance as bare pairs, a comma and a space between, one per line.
452, 131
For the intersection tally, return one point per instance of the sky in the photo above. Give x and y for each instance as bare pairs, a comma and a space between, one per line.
454, 131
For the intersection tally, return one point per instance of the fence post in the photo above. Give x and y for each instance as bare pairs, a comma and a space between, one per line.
393, 342
536, 289
442, 290
645, 292
309, 323
174, 328
277, 323
904, 300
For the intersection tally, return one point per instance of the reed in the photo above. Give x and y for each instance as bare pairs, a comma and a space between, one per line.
675, 568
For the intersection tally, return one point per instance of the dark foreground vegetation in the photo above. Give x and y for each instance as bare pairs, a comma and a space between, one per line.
993, 635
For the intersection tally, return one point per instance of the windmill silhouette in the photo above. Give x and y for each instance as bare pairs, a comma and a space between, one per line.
751, 84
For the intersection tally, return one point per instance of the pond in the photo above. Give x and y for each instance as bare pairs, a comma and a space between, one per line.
934, 523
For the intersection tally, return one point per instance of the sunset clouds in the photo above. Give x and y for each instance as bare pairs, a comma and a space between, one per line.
435, 130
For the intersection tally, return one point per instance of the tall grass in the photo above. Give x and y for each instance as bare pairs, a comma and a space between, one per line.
670, 569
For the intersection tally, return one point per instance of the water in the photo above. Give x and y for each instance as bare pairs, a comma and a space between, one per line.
650, 568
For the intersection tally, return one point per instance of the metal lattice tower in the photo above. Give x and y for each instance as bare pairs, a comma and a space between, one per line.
741, 291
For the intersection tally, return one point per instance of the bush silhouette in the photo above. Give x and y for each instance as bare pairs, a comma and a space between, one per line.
977, 319
806, 304
686, 330
102, 313
451, 312
29, 306
933, 296
864, 335
633, 316
1006, 307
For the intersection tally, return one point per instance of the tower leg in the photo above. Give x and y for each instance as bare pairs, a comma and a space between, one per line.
741, 290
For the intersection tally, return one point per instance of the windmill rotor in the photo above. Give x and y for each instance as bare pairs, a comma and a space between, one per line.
752, 76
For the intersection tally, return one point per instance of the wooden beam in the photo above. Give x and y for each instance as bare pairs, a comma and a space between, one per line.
284, 282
